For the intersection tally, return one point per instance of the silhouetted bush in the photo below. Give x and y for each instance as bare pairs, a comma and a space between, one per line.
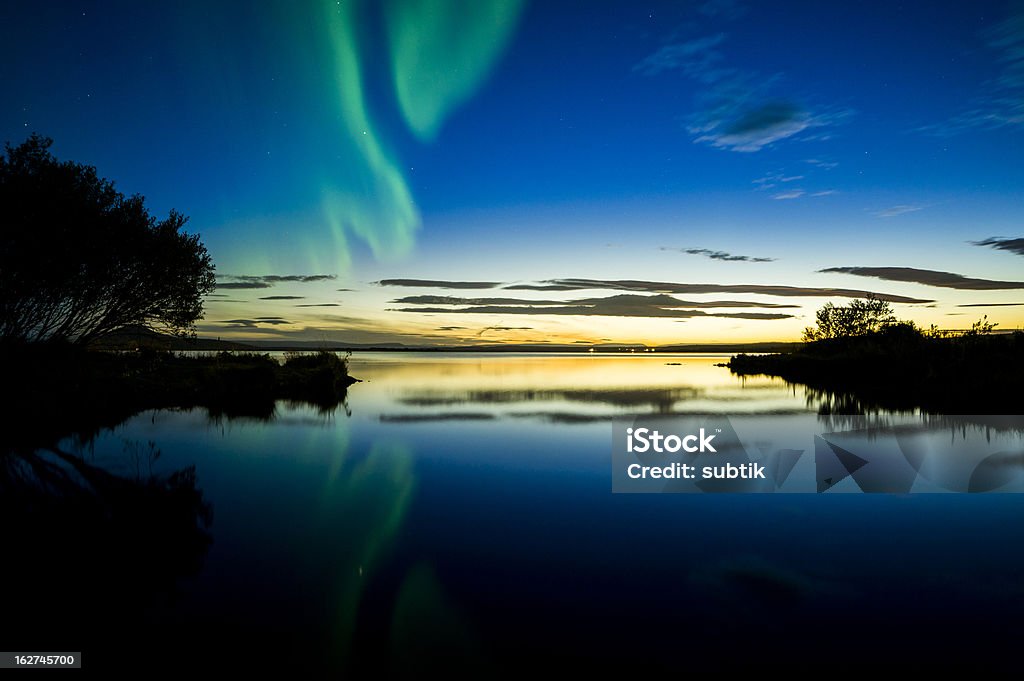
901, 367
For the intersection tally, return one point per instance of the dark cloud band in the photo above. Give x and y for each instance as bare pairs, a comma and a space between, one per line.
660, 300
768, 290
927, 277
1003, 244
438, 283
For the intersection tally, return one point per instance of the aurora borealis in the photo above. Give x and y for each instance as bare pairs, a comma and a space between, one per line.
440, 172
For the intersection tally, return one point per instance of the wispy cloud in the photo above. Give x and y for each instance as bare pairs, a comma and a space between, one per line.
319, 305
735, 109
927, 277
818, 163
791, 194
724, 9
282, 297
780, 180
1000, 100
503, 328
893, 211
696, 58
439, 283
718, 255
1013, 245
991, 305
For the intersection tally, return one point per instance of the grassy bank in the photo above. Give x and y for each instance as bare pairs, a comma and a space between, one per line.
899, 367
62, 389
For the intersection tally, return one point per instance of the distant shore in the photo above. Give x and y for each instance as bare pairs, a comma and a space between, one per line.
135, 339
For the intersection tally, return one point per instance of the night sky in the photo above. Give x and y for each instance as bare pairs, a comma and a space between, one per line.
559, 171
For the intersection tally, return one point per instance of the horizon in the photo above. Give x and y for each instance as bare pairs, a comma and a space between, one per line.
533, 173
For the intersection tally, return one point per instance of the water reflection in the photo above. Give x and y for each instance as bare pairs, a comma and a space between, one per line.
461, 510
575, 388
88, 542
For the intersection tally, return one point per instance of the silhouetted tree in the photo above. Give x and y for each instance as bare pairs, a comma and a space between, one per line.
79, 259
856, 319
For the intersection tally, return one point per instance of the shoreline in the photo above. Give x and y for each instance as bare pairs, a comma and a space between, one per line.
65, 390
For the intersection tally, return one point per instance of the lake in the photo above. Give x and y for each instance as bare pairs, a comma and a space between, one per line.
458, 510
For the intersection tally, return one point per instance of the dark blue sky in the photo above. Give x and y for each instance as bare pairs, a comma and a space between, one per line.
524, 143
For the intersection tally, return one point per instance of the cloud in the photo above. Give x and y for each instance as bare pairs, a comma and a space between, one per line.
635, 286
449, 300
735, 109
451, 328
764, 124
503, 328
254, 323
825, 192
927, 277
241, 285
282, 297
991, 305
825, 165
344, 289
773, 180
594, 311
893, 211
1000, 100
719, 255
670, 288
738, 124
662, 300
319, 305
277, 278
696, 58
1003, 244
792, 194
252, 281
724, 9
611, 306
274, 278
438, 283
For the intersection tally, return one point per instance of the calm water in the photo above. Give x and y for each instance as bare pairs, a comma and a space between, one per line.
459, 510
